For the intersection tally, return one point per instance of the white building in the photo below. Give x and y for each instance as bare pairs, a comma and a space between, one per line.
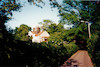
38, 36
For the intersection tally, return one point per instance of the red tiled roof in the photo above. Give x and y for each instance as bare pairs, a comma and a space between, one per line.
45, 36
38, 33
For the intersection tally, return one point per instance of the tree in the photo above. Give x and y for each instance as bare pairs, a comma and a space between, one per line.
52, 27
82, 10
45, 24
76, 11
94, 42
21, 33
53, 3
56, 38
55, 28
6, 8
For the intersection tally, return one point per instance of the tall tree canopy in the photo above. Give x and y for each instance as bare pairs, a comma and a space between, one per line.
21, 33
45, 24
6, 8
73, 12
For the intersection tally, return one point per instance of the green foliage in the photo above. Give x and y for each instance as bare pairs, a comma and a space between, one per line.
80, 31
56, 38
74, 11
21, 33
53, 3
45, 24
71, 48
94, 48
56, 33
60, 28
94, 43
52, 27
55, 28
22, 53
71, 17
95, 27
6, 8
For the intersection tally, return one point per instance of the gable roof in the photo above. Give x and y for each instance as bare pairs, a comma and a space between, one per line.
79, 59
45, 34
41, 33
37, 33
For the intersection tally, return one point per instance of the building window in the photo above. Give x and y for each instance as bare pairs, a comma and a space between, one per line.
45, 39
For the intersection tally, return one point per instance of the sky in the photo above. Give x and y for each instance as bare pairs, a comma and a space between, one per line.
31, 15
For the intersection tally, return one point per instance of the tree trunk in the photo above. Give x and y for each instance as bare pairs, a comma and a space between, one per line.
89, 30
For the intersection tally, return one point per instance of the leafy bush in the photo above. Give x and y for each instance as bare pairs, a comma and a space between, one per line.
71, 48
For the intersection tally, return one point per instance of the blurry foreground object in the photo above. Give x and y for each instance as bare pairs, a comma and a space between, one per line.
79, 59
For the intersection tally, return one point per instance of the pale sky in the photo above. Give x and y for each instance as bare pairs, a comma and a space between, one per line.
31, 15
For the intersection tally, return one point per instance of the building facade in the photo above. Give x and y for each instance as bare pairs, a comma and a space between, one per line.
38, 35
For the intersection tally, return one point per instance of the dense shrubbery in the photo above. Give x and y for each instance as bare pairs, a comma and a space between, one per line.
21, 53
